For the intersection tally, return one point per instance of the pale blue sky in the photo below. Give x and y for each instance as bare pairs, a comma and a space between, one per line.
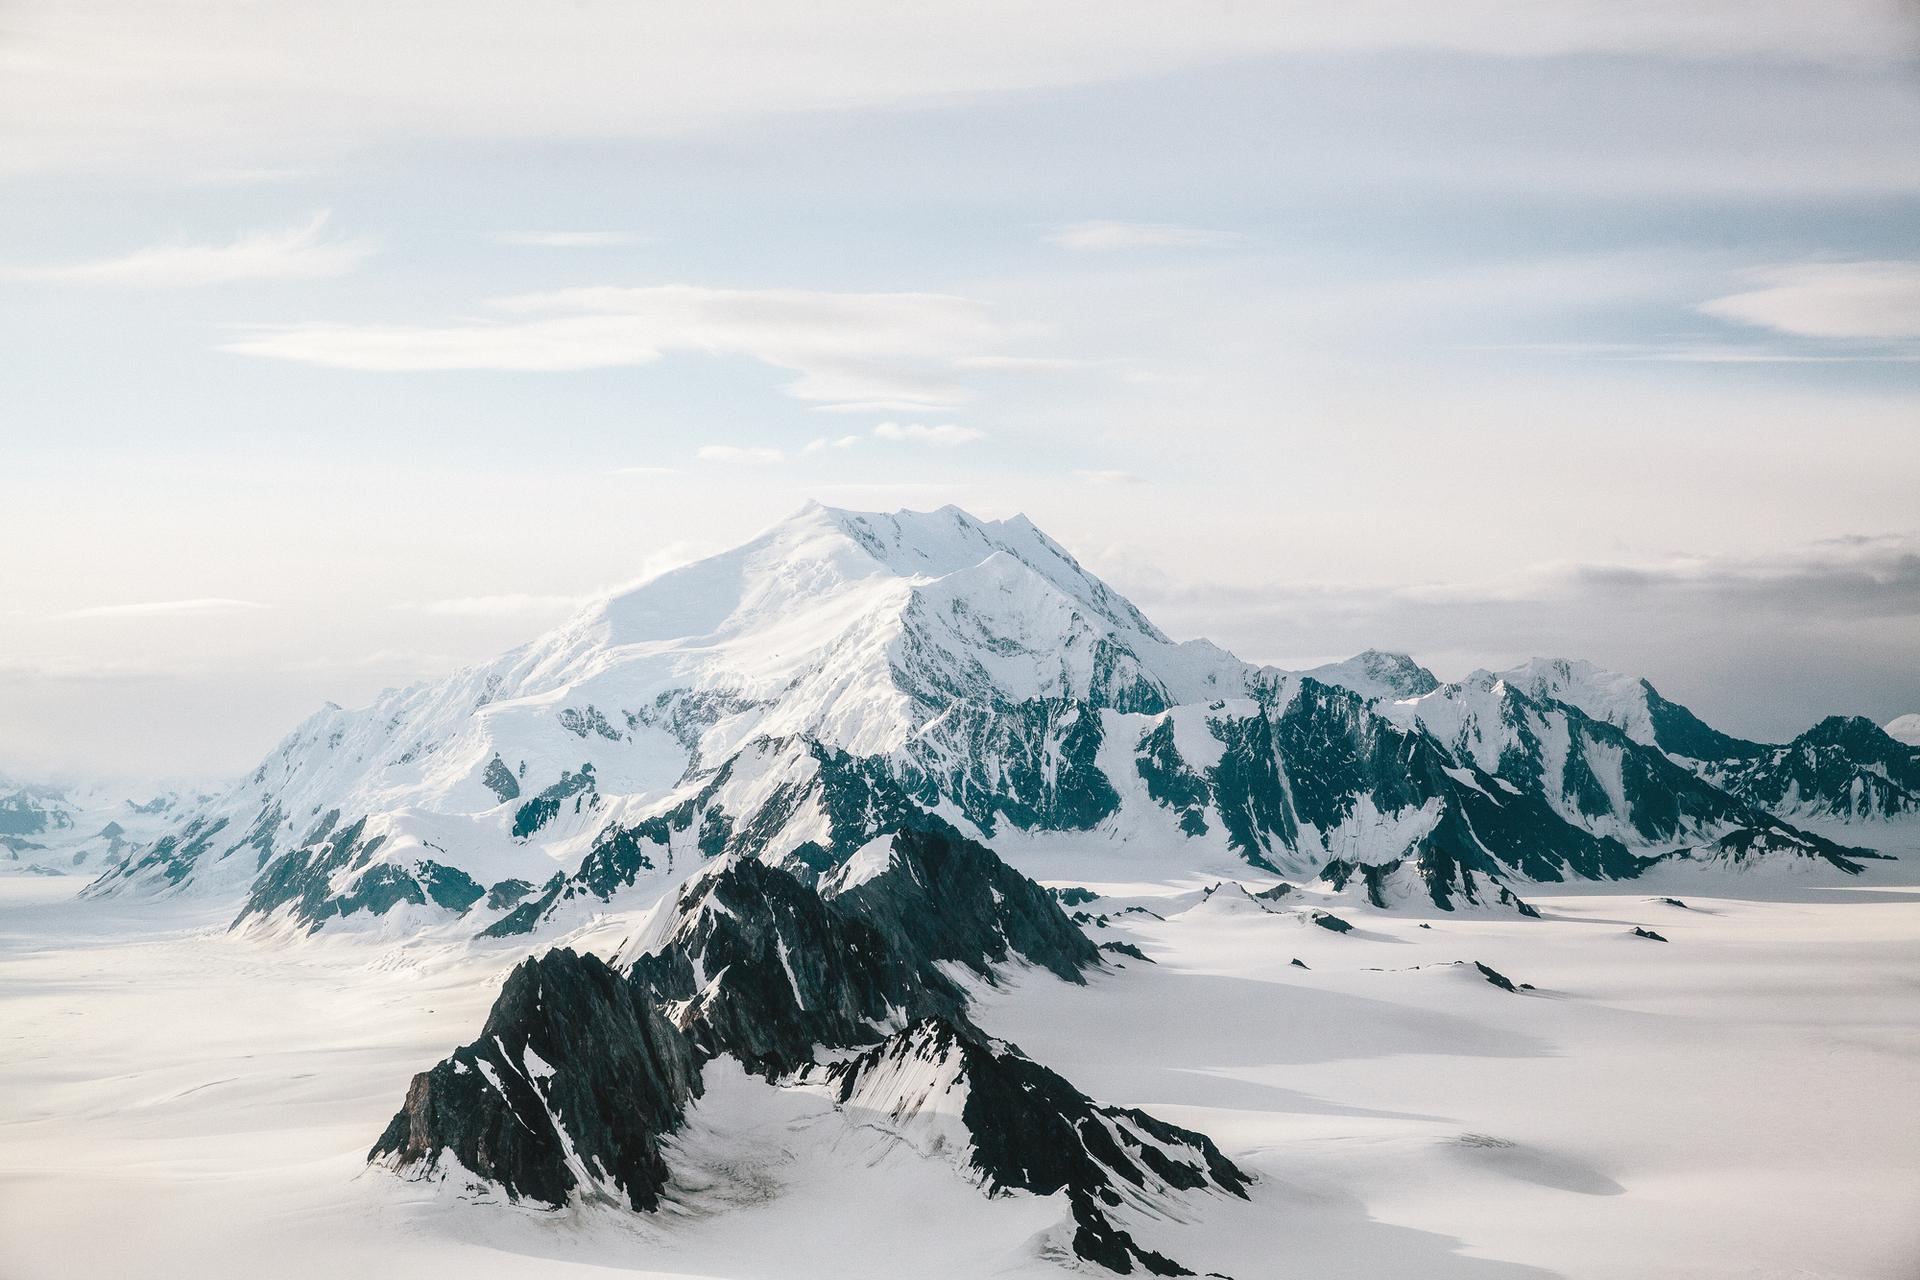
1476, 330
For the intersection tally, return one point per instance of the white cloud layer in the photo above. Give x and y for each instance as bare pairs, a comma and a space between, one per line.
570, 239
206, 606
1119, 237
901, 348
510, 605
944, 435
304, 252
740, 455
231, 82
1869, 301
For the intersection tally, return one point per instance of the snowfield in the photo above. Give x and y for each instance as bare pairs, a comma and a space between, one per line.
1742, 1100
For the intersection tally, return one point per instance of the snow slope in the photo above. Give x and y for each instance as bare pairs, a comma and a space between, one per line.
214, 1093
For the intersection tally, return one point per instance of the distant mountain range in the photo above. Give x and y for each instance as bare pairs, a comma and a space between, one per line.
86, 828
846, 674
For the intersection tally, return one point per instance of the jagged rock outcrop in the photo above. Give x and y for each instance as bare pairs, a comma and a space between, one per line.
584, 1068
942, 897
1015, 1125
1431, 876
573, 1082
754, 963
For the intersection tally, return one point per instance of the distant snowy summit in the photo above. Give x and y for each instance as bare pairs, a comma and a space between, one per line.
62, 828
827, 683
1905, 728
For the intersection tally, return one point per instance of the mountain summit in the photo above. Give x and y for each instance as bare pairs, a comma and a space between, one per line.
845, 674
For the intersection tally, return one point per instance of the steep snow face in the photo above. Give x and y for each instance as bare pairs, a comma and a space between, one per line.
1376, 674
1904, 729
1609, 696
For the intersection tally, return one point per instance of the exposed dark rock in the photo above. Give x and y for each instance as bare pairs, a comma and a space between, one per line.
1298, 963
572, 1057
944, 897
1495, 977
1446, 880
1033, 1131
1169, 779
1328, 920
500, 780
1845, 767
1126, 949
1649, 934
507, 893
755, 963
758, 965
538, 812
1749, 844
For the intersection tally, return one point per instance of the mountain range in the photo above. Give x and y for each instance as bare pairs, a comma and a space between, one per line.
809, 782
818, 687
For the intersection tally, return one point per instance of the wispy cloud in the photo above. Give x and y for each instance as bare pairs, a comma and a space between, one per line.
207, 606
1865, 301
887, 406
155, 87
900, 348
508, 605
943, 435
1107, 477
1120, 237
824, 443
741, 455
570, 239
304, 252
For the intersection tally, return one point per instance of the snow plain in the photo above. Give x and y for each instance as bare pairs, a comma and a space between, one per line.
1741, 1101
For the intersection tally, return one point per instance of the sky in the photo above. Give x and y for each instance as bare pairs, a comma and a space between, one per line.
347, 344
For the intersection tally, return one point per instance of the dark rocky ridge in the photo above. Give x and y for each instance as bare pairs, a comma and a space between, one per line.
1843, 767
944, 897
759, 966
1033, 1131
582, 1070
618, 1078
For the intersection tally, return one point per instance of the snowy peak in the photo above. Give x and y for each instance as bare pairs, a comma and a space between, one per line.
1844, 767
1378, 674
1904, 729
1610, 696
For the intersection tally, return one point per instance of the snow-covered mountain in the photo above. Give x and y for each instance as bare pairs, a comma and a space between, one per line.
1904, 728
813, 690
1845, 767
